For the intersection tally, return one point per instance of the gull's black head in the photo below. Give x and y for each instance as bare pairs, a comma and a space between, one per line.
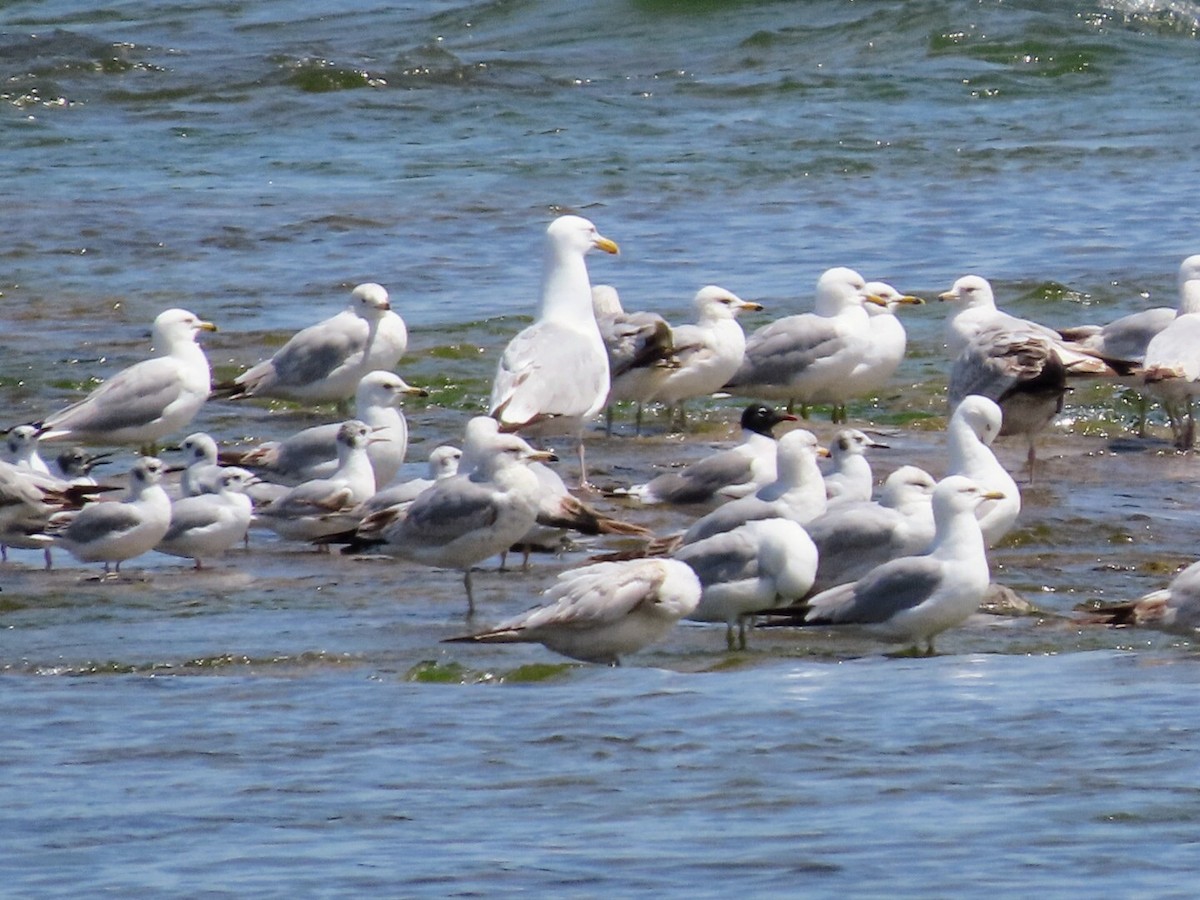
761, 418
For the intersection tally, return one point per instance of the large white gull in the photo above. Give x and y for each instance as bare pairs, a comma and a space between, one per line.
553, 376
1172, 362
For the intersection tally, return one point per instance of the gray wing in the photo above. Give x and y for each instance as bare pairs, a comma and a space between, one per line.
187, 515
135, 396
721, 559
1128, 337
701, 481
448, 510
313, 353
635, 340
996, 364
299, 455
850, 542
889, 589
728, 517
776, 352
101, 520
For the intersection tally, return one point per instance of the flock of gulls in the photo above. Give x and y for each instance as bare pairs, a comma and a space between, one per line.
785, 532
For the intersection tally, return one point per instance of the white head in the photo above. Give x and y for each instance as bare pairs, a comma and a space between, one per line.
714, 303
21, 442
839, 288
1189, 285
381, 388
957, 494
476, 438
575, 234
443, 462
178, 326
235, 480
982, 415
199, 448
883, 299
146, 472
906, 485
370, 300
972, 292
606, 302
851, 442
352, 436
796, 455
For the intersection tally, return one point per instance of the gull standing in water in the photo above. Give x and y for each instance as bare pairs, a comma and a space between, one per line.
640, 348
147, 401
809, 358
462, 520
312, 452
1175, 608
1172, 362
913, 599
756, 566
707, 353
209, 523
553, 377
112, 532
726, 474
325, 362
602, 612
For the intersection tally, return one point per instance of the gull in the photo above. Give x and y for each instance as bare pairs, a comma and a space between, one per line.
150, 399
115, 531
854, 537
726, 474
312, 452
1172, 361
974, 425
809, 358
553, 376
324, 363
797, 493
201, 471
209, 523
464, 519
27, 502
1019, 370
913, 599
21, 449
602, 612
640, 348
324, 506
756, 566
706, 353
1175, 608
74, 465
850, 477
886, 340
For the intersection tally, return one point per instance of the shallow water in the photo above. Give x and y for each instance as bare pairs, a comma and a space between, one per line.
286, 721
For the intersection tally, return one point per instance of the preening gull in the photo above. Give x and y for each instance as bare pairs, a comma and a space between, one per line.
325, 362
854, 537
114, 531
726, 474
209, 523
850, 476
150, 399
639, 346
312, 452
756, 566
707, 353
323, 506
809, 358
602, 612
912, 599
201, 468
1172, 362
972, 428
553, 376
463, 520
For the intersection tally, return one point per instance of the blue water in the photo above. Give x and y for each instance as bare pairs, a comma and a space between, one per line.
278, 726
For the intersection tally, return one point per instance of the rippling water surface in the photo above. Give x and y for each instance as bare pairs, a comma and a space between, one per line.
287, 723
